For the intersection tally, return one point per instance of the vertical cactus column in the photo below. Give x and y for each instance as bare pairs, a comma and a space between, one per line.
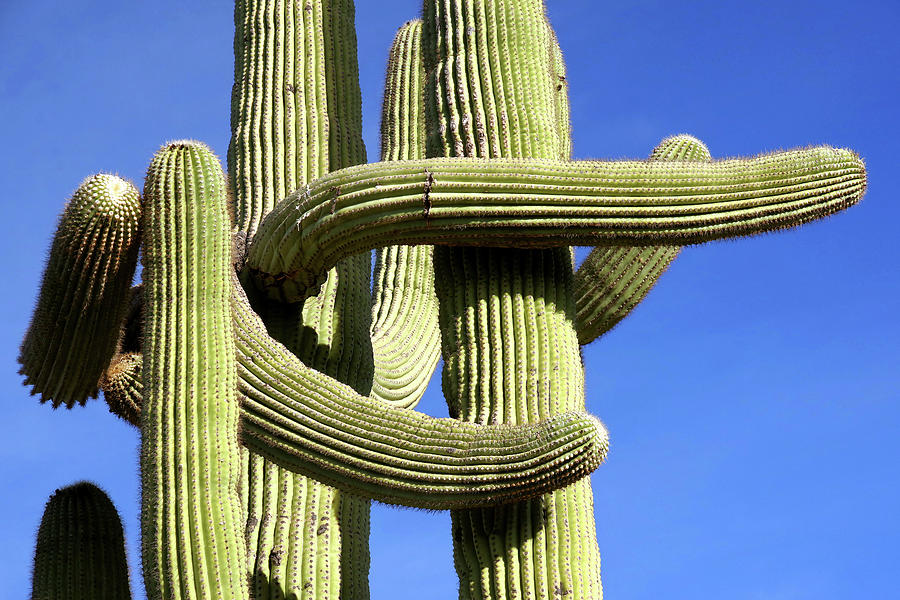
297, 114
80, 553
190, 461
511, 353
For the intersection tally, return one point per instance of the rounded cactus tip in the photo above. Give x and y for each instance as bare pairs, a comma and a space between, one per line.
681, 147
122, 387
75, 326
80, 549
80, 489
185, 144
104, 196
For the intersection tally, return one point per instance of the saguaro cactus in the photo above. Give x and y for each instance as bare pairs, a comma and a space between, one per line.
272, 386
80, 553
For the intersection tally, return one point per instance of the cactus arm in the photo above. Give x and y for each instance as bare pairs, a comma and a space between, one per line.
190, 460
304, 419
122, 387
75, 327
316, 425
545, 203
612, 281
80, 551
405, 333
510, 351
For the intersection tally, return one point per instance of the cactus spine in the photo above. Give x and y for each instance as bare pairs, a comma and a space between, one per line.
80, 552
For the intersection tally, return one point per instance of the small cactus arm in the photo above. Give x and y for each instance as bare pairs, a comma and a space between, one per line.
405, 332
123, 388
80, 552
190, 459
84, 293
613, 280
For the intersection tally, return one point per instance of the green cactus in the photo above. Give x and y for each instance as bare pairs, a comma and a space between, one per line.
613, 280
80, 552
272, 384
83, 298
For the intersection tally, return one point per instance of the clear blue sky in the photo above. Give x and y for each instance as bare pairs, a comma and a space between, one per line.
753, 399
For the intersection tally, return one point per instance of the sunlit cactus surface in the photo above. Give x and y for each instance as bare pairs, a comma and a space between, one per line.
273, 373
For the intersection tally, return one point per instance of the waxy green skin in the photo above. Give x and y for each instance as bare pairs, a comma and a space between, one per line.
272, 386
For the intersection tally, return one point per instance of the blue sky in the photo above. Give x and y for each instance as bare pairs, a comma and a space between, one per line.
753, 399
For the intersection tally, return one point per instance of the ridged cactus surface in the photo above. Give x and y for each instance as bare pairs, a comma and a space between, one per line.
613, 280
84, 293
510, 350
80, 552
190, 459
296, 114
271, 370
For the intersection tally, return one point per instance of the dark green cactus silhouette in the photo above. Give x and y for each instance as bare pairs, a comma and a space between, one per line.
80, 552
272, 384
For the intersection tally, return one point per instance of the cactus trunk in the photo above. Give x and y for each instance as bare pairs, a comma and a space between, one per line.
296, 114
510, 350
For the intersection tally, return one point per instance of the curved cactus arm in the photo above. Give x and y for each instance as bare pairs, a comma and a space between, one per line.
544, 203
612, 281
84, 293
313, 424
80, 551
316, 425
406, 340
190, 459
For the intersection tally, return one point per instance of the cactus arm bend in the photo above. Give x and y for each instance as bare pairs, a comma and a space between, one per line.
83, 298
612, 280
311, 422
405, 333
544, 203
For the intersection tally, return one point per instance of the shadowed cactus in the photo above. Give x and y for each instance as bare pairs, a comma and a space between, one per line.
272, 379
80, 552
84, 292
